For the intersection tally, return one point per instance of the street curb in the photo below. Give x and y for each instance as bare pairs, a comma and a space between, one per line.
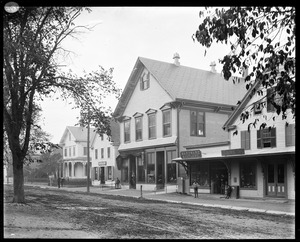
228, 207
256, 210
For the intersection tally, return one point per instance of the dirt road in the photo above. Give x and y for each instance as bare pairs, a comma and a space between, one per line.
61, 214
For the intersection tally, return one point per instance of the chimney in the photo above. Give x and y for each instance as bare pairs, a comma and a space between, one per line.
176, 58
213, 67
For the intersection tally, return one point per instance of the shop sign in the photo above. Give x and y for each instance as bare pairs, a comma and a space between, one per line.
191, 154
233, 152
102, 163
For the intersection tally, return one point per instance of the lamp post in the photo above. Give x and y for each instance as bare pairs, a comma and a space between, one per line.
88, 152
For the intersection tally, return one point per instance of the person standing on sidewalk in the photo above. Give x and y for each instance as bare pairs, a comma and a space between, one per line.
195, 185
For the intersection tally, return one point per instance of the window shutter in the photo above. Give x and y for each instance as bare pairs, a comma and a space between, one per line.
290, 135
243, 138
247, 138
148, 80
259, 136
141, 83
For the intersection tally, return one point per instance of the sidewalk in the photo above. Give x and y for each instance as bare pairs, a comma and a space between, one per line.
266, 205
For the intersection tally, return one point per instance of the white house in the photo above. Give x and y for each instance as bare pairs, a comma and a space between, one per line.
103, 152
262, 160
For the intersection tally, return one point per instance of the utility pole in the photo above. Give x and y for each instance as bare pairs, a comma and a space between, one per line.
88, 152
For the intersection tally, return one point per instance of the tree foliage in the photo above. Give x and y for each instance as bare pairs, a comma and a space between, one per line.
32, 39
262, 42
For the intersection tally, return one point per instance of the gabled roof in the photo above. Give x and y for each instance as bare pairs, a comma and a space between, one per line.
79, 133
237, 112
182, 82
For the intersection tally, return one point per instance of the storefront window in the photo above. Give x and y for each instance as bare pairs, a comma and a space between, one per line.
124, 171
248, 175
140, 170
109, 173
171, 167
150, 168
200, 174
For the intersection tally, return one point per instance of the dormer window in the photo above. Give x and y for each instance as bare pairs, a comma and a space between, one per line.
145, 81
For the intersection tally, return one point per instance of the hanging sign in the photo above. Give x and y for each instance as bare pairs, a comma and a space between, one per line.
191, 154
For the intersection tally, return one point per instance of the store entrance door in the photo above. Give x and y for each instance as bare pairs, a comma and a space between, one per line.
102, 175
218, 177
276, 180
160, 168
132, 172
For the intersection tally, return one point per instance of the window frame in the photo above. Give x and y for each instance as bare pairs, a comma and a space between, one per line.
264, 132
197, 123
152, 115
96, 154
164, 124
102, 153
108, 152
145, 81
140, 119
127, 121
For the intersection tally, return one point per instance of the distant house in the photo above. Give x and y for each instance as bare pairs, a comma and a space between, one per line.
166, 109
102, 155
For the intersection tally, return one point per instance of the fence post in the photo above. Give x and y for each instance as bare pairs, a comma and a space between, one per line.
141, 190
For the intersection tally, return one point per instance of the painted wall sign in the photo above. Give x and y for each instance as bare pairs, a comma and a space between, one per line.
191, 154
233, 152
102, 163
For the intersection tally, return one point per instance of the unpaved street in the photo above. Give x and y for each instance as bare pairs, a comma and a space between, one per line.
61, 214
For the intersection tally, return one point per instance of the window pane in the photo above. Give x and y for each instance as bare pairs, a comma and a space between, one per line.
127, 131
248, 175
271, 173
167, 116
167, 129
150, 168
171, 167
280, 173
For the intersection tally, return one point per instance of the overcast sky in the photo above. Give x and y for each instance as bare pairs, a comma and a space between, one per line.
121, 35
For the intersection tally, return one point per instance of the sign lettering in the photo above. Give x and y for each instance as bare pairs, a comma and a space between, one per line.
191, 154
233, 152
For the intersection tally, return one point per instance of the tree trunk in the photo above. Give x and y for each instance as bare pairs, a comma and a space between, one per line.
18, 180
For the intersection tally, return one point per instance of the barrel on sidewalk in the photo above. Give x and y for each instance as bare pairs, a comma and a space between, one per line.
235, 192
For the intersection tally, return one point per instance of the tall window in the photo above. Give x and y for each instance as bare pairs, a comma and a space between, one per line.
145, 81
152, 125
140, 170
266, 138
84, 150
171, 167
70, 151
108, 152
167, 122
150, 167
96, 153
69, 136
102, 152
74, 148
197, 123
290, 135
248, 174
138, 128
102, 137
66, 152
127, 131
245, 140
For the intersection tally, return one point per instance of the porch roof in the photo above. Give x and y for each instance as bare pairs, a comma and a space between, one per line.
240, 156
